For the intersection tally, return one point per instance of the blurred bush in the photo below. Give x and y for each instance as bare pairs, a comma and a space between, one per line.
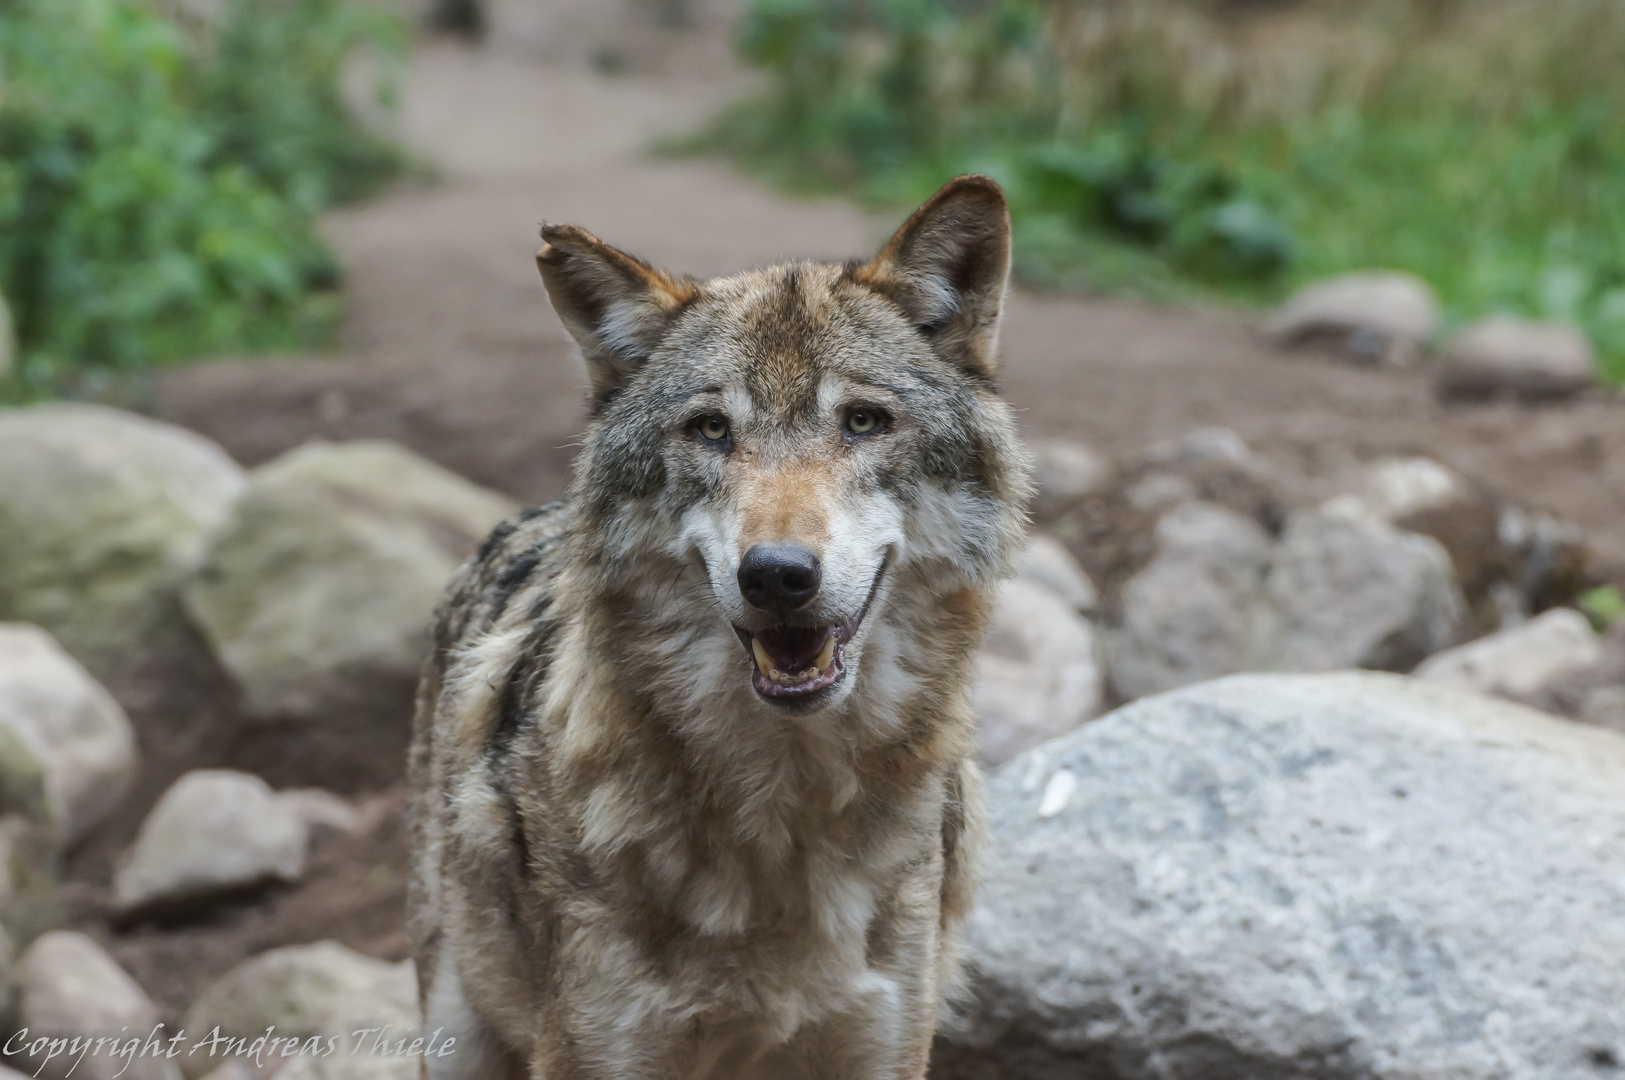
159, 178
1231, 147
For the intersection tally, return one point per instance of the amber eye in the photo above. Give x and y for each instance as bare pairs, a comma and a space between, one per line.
712, 428
864, 421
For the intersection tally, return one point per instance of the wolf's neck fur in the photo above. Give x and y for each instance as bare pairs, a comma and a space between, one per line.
656, 715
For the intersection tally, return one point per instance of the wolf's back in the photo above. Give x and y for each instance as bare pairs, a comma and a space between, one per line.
496, 618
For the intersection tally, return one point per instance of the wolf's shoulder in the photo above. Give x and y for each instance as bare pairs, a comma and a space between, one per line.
517, 562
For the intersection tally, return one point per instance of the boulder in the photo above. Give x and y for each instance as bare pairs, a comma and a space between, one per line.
1048, 563
214, 832
1038, 672
1520, 661
1062, 472
1374, 316
1347, 589
323, 990
1333, 877
67, 751
1188, 615
318, 594
1503, 356
101, 514
68, 986
30, 865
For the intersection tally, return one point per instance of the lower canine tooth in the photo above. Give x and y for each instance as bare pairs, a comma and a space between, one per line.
826, 655
764, 662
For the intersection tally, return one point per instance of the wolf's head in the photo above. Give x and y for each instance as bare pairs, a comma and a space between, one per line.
796, 478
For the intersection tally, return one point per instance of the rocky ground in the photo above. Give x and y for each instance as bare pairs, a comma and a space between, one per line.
1213, 502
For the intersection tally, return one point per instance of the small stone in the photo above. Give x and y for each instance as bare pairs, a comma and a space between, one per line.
1397, 488
1201, 447
1156, 491
1505, 356
1047, 562
317, 596
350, 1067
1187, 615
324, 990
1348, 590
1064, 471
68, 986
1521, 660
1374, 316
102, 513
67, 751
1038, 672
231, 1070
213, 832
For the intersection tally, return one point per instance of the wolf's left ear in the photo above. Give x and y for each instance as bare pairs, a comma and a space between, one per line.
947, 268
616, 307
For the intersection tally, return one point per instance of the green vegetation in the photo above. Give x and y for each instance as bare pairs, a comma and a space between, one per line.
159, 180
1604, 605
1230, 148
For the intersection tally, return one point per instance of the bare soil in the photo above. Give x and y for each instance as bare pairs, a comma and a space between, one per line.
450, 347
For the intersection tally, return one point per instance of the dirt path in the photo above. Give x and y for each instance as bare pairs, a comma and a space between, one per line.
450, 345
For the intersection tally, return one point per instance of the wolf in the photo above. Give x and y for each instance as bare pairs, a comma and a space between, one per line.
691, 785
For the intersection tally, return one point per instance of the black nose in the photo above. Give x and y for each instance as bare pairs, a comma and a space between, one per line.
779, 577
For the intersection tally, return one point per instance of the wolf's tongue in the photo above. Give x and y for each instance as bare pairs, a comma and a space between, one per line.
793, 648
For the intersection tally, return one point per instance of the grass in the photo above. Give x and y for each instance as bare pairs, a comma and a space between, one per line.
1225, 149
159, 182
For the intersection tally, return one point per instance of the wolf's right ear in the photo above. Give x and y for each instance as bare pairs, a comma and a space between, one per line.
947, 268
616, 307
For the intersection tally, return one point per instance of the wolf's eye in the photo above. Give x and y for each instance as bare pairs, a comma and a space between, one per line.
712, 428
865, 421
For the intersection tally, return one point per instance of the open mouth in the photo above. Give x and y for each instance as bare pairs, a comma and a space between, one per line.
800, 662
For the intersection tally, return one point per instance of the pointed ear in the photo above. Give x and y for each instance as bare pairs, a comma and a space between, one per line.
947, 268
616, 307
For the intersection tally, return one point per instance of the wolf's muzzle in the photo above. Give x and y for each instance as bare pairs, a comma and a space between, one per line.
780, 578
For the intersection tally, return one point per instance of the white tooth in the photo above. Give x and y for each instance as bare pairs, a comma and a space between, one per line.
826, 655
764, 662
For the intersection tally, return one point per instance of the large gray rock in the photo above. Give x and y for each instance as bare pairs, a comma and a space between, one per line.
1353, 876
323, 989
1038, 671
215, 831
68, 986
1373, 315
1520, 661
101, 514
1347, 589
318, 594
1511, 357
1189, 614
67, 751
